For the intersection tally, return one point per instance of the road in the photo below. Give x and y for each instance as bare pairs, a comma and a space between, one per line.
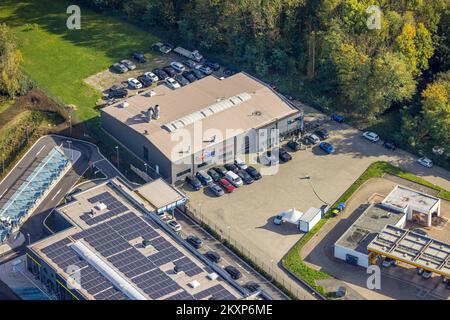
228, 257
33, 228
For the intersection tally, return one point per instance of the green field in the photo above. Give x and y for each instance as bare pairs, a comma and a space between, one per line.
58, 59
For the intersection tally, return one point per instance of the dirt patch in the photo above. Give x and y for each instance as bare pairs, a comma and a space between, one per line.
35, 100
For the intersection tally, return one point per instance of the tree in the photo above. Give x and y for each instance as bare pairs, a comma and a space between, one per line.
436, 111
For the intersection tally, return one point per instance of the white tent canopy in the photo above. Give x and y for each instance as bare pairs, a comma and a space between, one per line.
292, 216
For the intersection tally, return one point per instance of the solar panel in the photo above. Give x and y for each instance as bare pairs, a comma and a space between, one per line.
218, 291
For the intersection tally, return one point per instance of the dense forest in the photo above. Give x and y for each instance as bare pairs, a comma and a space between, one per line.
321, 51
324, 52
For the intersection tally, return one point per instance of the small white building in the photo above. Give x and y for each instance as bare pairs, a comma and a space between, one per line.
418, 206
309, 219
352, 245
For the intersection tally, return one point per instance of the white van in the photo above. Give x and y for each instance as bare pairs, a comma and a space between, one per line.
234, 179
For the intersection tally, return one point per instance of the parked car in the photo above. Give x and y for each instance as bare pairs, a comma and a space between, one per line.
426, 274
247, 178
371, 136
240, 164
117, 92
213, 174
175, 226
195, 241
193, 182
213, 256
190, 76
139, 57
222, 171
294, 145
252, 286
170, 45
338, 118
129, 64
198, 74
120, 68
178, 66
323, 134
213, 65
231, 167
206, 70
172, 84
390, 145
283, 155
228, 187
278, 220
204, 178
234, 179
269, 158
153, 77
146, 82
313, 139
190, 63
134, 83
170, 71
387, 262
216, 189
181, 80
327, 147
229, 72
161, 74
233, 272
161, 47
424, 161
253, 173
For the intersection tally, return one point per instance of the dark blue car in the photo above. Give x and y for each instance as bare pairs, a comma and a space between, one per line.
325, 146
337, 118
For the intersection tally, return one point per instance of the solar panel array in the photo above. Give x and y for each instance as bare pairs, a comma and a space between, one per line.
217, 291
113, 205
90, 279
111, 240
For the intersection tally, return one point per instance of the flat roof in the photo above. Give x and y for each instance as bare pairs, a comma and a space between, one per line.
108, 248
160, 194
413, 248
401, 197
367, 227
259, 106
310, 214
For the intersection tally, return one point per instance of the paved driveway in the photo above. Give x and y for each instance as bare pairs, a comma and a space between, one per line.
246, 215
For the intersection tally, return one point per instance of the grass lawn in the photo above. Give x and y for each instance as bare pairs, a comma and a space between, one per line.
293, 261
58, 59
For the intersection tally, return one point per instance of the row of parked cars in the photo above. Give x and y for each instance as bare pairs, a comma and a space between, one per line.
373, 137
224, 179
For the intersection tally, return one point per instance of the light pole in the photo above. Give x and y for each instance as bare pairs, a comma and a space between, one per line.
145, 165
29, 239
70, 124
229, 234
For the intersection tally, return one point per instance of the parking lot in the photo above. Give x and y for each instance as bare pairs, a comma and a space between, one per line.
246, 215
104, 80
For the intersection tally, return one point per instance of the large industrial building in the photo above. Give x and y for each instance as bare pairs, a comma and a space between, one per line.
178, 132
116, 248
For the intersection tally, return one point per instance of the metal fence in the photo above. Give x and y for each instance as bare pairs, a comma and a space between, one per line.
268, 269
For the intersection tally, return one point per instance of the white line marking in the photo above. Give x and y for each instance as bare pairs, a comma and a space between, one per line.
4, 193
40, 150
56, 195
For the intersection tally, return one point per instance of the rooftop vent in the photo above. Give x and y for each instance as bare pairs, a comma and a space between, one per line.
219, 106
101, 206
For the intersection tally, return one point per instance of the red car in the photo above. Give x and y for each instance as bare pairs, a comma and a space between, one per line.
226, 185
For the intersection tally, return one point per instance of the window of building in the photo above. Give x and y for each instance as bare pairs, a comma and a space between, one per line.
145, 153
182, 173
